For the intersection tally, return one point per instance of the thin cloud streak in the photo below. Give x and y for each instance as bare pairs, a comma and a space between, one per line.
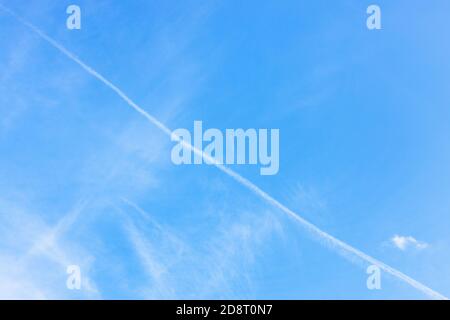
146, 216
22, 275
212, 269
155, 270
152, 255
328, 239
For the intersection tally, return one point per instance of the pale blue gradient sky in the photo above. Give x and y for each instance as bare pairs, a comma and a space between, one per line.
364, 121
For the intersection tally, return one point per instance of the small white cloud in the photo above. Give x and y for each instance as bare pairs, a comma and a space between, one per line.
403, 243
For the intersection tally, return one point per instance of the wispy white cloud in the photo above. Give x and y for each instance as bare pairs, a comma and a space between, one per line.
158, 249
406, 242
233, 251
14, 63
125, 163
34, 256
151, 260
308, 200
217, 267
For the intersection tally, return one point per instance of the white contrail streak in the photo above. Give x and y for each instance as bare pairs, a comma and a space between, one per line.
329, 239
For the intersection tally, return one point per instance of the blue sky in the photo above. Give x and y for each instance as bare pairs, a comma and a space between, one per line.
85, 180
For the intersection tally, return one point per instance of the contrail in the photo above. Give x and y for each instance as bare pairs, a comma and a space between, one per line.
329, 239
